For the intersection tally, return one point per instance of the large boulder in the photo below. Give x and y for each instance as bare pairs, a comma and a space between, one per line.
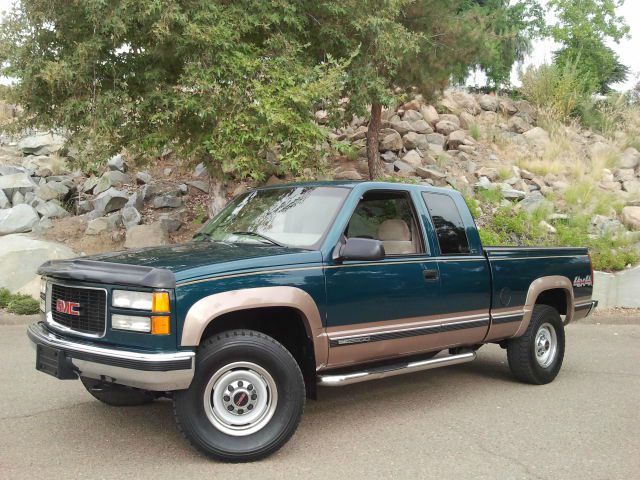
456, 139
19, 219
152, 235
413, 158
20, 257
4, 200
489, 103
391, 141
104, 224
430, 114
112, 178
518, 125
631, 217
16, 180
41, 144
630, 158
168, 200
415, 140
51, 209
110, 201
537, 136
117, 163
52, 190
466, 102
445, 127
44, 166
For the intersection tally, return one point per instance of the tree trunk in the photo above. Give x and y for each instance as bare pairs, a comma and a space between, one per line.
373, 154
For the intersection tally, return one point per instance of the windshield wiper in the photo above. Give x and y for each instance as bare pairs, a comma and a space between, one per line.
256, 234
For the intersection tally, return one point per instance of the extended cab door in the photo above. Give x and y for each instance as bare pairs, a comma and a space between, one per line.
395, 306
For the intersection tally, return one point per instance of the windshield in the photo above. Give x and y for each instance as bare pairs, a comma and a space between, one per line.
288, 216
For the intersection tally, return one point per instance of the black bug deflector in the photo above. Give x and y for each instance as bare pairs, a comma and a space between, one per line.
107, 272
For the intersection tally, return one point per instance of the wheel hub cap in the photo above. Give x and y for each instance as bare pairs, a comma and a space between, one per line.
546, 345
240, 398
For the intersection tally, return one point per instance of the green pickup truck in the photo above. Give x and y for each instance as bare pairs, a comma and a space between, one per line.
297, 286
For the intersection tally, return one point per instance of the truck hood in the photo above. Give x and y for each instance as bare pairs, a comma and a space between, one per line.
194, 259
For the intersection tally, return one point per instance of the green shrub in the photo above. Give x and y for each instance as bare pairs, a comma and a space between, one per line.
5, 296
474, 131
23, 305
492, 197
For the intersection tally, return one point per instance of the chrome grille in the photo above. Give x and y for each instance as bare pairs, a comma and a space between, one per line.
91, 309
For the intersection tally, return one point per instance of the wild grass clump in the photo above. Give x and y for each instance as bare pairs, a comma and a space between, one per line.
18, 303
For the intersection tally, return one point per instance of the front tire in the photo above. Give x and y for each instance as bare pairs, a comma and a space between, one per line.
536, 356
246, 398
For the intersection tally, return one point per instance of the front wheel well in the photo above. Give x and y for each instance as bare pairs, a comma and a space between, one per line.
557, 298
284, 324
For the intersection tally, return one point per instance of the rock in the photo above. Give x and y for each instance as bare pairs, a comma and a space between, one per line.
136, 200
446, 127
456, 138
143, 178
389, 157
322, 117
117, 163
436, 139
511, 193
537, 136
415, 140
168, 200
412, 115
348, 175
20, 257
412, 105
16, 180
41, 144
83, 206
630, 158
488, 118
171, 223
420, 126
466, 102
429, 114
199, 185
466, 120
391, 142
110, 200
10, 169
447, 117
19, 219
153, 235
610, 185
413, 158
484, 183
624, 174
518, 125
526, 111
403, 167
183, 189
430, 172
631, 186
130, 217
534, 201
17, 198
51, 209
103, 224
167, 171
42, 164
401, 127
52, 191
631, 217
199, 171
547, 227
89, 184
507, 107
43, 225
359, 134
489, 172
110, 179
602, 225
489, 103
4, 201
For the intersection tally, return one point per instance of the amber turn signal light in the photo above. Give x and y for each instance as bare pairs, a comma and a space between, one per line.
160, 325
160, 302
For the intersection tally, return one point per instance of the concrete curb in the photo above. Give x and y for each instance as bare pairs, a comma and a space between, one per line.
621, 289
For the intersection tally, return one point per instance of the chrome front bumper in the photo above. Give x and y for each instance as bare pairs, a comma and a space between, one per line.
149, 371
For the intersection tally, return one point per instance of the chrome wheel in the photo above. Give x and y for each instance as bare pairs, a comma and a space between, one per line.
546, 345
240, 398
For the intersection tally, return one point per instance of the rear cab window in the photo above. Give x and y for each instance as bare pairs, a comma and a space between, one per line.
446, 219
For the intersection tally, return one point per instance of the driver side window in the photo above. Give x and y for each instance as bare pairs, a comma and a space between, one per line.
390, 218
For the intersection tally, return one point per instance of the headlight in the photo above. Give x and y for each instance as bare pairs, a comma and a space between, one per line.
130, 322
134, 300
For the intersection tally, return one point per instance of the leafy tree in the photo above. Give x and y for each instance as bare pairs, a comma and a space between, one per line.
224, 81
582, 28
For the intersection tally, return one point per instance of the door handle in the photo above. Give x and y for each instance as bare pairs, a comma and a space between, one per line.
430, 274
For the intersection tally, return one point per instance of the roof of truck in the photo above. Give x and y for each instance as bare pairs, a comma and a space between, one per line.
352, 184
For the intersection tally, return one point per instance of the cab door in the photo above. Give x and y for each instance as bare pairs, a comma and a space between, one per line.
382, 309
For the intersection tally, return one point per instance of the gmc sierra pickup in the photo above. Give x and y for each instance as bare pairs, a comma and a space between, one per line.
296, 286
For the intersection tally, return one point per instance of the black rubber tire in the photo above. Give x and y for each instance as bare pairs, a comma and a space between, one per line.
521, 351
220, 350
118, 395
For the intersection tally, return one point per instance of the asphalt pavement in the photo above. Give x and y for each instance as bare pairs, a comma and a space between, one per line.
461, 422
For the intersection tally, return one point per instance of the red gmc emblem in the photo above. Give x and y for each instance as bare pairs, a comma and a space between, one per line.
70, 308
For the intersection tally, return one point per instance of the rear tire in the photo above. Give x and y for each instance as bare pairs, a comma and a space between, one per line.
246, 398
536, 356
117, 395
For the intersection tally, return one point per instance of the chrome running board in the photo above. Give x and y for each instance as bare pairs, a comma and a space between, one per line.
338, 380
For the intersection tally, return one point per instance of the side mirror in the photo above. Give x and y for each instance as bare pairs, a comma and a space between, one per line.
359, 249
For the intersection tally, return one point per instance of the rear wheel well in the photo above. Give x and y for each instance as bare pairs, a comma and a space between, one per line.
285, 324
556, 298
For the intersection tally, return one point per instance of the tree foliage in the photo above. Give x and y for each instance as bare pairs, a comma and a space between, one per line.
583, 28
